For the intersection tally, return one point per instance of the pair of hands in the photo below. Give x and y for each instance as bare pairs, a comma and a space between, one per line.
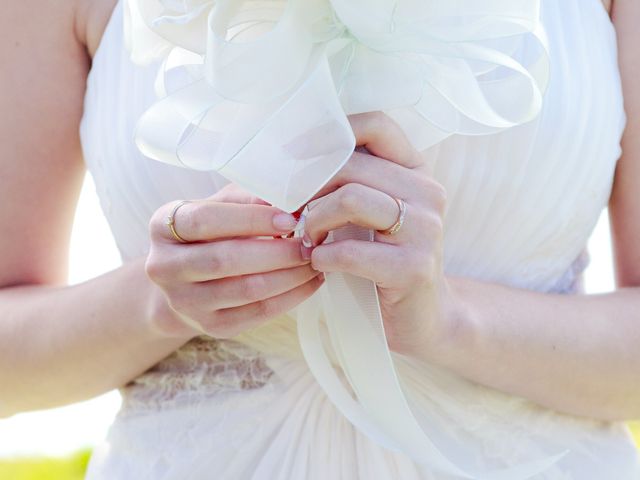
226, 280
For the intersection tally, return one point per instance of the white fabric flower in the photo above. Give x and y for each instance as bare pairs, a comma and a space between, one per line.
437, 67
263, 93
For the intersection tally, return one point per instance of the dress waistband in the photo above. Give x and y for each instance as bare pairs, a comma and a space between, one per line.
205, 365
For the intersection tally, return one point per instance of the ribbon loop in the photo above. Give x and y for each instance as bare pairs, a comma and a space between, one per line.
267, 108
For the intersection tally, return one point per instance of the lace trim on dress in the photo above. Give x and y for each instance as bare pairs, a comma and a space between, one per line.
203, 366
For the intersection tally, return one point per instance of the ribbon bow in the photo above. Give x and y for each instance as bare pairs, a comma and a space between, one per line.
260, 90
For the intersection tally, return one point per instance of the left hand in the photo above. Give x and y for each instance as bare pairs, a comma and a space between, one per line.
418, 307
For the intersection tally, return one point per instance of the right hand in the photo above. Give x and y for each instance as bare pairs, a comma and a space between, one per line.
225, 280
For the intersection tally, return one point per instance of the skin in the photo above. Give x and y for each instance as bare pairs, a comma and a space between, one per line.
562, 352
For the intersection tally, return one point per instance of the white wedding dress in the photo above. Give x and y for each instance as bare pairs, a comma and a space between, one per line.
522, 204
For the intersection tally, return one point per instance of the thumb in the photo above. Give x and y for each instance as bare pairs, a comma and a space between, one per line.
233, 193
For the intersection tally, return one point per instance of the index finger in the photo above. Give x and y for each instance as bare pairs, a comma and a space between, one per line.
384, 138
208, 220
391, 164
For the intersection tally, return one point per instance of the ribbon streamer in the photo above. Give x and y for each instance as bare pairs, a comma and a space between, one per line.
260, 91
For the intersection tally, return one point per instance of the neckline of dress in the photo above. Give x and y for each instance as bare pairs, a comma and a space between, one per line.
118, 5
115, 13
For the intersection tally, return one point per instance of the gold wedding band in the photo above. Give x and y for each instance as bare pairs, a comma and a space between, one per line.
171, 221
395, 228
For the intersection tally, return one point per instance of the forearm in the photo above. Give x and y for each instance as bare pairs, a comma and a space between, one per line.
64, 344
579, 354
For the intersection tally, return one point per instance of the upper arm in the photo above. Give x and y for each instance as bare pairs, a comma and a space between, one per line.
624, 207
42, 84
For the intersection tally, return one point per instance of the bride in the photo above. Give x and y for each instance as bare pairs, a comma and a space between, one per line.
237, 332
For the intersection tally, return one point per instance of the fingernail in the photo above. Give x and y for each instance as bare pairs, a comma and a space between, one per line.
306, 247
306, 241
284, 222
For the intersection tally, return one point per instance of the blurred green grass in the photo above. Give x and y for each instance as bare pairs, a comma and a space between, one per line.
74, 466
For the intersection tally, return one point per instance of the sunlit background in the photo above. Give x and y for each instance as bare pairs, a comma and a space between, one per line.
62, 431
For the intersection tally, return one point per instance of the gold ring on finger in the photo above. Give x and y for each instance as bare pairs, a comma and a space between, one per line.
171, 221
402, 213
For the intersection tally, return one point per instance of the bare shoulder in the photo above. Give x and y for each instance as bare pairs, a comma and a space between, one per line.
92, 17
42, 85
625, 200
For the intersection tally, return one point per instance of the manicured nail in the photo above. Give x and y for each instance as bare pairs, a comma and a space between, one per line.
306, 241
284, 222
307, 247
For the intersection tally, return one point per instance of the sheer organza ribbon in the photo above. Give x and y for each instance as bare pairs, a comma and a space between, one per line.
259, 91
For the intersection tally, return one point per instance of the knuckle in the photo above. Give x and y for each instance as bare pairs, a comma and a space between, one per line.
157, 270
252, 287
430, 223
431, 192
157, 223
265, 309
270, 308
346, 254
350, 198
438, 196
218, 260
422, 181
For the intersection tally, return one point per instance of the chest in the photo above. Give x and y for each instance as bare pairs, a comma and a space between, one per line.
522, 203
97, 17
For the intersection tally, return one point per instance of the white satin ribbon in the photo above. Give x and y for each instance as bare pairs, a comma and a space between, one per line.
262, 95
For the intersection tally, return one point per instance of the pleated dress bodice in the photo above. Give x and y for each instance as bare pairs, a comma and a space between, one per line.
521, 203
521, 206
